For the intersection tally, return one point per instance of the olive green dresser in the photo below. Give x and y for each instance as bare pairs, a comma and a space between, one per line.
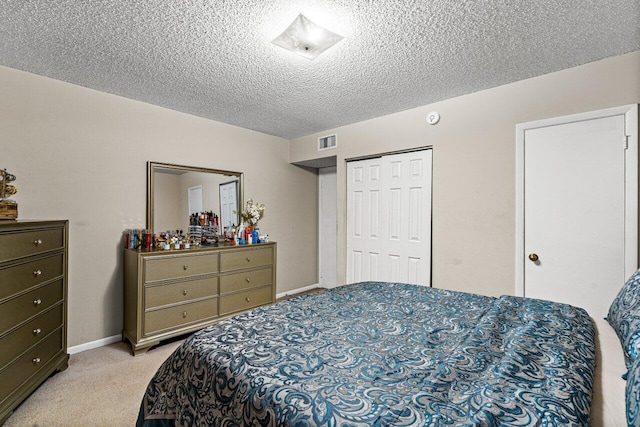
171, 293
33, 307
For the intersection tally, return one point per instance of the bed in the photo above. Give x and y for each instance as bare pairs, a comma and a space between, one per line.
608, 404
377, 354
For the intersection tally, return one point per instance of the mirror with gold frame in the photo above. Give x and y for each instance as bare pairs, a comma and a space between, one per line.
174, 192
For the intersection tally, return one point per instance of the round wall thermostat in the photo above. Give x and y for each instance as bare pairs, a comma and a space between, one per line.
433, 118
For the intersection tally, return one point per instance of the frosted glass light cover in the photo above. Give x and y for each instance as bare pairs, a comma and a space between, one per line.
306, 38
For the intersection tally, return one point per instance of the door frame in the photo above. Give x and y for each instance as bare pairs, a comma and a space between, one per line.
631, 183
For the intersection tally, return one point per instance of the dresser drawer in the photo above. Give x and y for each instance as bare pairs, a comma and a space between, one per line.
24, 276
31, 362
245, 280
174, 317
13, 344
19, 309
245, 300
162, 268
159, 295
20, 244
235, 260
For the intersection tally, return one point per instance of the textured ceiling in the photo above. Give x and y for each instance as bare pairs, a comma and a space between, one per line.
214, 59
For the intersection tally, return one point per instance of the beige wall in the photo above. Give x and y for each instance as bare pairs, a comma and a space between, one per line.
81, 155
168, 198
474, 163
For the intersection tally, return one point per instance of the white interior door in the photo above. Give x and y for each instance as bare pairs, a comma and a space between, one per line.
228, 204
389, 218
574, 181
195, 199
327, 233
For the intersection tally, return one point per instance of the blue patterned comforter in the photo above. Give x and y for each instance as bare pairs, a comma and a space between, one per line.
378, 354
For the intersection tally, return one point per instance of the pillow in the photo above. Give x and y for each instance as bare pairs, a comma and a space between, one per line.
624, 317
632, 397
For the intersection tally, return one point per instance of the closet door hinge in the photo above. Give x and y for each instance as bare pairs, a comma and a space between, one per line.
625, 143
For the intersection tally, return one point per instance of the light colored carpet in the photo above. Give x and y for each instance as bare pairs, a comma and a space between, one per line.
101, 387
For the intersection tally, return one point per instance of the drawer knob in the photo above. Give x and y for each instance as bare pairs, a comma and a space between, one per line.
247, 299
36, 360
185, 266
37, 301
184, 292
37, 331
248, 280
184, 314
37, 273
37, 242
248, 259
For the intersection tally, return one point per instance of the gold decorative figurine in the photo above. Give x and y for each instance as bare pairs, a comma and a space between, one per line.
8, 207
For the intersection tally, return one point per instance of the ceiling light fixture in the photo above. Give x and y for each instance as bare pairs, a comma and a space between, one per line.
306, 38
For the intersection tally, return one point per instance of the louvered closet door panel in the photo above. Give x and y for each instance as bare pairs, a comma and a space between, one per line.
389, 218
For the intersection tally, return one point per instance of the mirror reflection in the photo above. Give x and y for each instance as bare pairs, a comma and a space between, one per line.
180, 196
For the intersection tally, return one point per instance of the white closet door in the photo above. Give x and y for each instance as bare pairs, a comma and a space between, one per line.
389, 219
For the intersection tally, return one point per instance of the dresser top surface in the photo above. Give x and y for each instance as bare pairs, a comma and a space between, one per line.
204, 248
21, 224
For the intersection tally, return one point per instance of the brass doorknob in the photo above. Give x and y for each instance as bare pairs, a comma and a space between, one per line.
533, 257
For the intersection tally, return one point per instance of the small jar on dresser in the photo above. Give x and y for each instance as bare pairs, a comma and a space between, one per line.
33, 307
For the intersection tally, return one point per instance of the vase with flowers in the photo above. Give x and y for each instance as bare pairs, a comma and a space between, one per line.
250, 217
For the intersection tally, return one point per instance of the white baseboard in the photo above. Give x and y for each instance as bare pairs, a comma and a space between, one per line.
297, 291
94, 344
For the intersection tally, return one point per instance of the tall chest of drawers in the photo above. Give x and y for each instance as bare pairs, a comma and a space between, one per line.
171, 293
33, 307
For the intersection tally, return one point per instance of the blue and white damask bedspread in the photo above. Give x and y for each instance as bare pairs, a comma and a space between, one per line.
379, 354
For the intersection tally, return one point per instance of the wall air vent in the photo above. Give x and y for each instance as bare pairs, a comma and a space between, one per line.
327, 142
